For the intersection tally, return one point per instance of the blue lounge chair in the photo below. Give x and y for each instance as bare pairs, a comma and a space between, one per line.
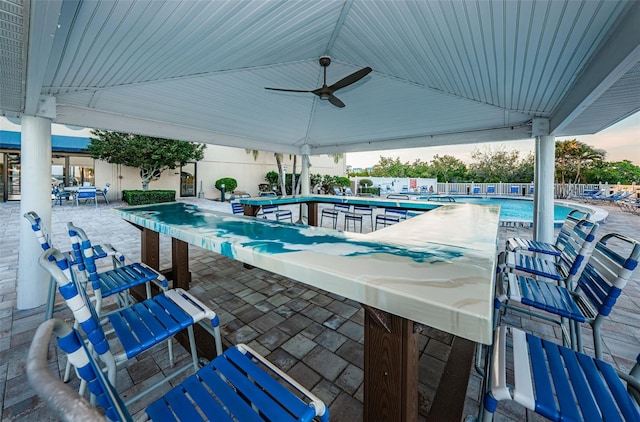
557, 383
337, 191
136, 328
514, 190
475, 190
237, 385
491, 189
614, 197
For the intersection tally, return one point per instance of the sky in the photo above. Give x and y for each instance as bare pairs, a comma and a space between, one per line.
621, 142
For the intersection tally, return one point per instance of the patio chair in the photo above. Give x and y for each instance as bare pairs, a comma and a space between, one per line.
136, 328
99, 251
390, 216
86, 193
557, 383
348, 192
491, 189
59, 194
475, 190
514, 190
276, 212
575, 251
337, 191
555, 249
237, 385
104, 192
352, 217
334, 214
116, 281
237, 208
331, 214
600, 284
365, 211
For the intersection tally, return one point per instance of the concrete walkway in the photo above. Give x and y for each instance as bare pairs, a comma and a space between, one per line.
315, 336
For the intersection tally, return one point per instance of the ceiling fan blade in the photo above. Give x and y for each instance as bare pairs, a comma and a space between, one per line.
286, 90
336, 101
348, 80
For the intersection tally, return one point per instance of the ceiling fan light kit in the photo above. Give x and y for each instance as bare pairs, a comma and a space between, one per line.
326, 92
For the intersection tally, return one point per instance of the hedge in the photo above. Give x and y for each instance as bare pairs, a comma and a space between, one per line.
144, 197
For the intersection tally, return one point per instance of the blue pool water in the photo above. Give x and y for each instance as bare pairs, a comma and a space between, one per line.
514, 209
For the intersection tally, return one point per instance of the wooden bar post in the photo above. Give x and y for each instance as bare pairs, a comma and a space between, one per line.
390, 368
313, 213
180, 273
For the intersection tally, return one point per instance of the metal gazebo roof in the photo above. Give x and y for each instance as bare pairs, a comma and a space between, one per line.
444, 72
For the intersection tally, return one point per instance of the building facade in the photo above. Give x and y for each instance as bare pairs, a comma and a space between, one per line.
71, 165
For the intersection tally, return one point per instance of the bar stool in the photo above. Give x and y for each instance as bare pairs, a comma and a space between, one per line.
351, 216
364, 210
331, 214
390, 216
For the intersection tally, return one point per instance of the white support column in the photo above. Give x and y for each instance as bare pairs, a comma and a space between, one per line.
304, 173
305, 183
35, 184
543, 183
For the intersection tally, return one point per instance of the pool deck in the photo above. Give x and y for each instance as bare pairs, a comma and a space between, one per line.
315, 336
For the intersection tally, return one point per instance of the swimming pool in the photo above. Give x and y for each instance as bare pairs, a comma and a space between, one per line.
511, 209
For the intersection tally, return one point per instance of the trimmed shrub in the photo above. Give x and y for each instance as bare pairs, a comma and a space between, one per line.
372, 190
144, 197
365, 182
230, 184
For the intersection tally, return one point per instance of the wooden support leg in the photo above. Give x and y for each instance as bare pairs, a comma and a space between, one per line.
150, 255
180, 273
390, 368
313, 213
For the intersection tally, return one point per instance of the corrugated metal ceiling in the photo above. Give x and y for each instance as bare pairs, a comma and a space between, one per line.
439, 68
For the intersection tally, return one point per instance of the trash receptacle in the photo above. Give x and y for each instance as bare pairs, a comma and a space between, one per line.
524, 191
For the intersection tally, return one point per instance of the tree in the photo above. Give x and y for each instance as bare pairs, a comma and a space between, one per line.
572, 157
151, 155
448, 169
624, 172
493, 165
389, 167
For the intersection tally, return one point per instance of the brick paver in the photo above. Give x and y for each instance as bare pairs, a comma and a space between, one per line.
315, 336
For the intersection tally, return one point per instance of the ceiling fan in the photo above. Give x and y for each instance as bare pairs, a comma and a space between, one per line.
326, 92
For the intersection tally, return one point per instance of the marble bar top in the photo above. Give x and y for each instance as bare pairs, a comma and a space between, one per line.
437, 268
334, 199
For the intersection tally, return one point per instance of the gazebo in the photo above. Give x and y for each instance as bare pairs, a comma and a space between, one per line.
442, 73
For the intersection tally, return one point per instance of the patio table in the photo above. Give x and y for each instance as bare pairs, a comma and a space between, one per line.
436, 269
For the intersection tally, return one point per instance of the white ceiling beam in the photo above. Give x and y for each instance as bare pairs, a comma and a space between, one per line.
117, 122
42, 28
616, 56
471, 137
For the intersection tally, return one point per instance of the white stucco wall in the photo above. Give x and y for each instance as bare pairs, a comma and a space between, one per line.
218, 162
